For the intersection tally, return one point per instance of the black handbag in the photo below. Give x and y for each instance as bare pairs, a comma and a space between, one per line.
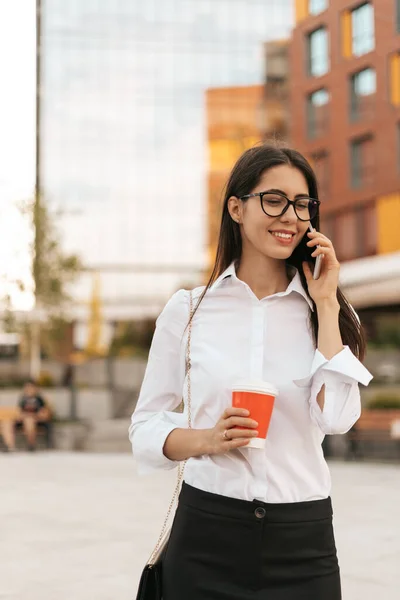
150, 585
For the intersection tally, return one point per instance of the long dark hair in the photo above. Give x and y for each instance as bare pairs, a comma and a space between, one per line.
244, 177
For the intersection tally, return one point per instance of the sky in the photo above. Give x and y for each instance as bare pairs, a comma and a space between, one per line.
17, 139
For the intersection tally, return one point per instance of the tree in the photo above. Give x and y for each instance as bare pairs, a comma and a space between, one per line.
53, 271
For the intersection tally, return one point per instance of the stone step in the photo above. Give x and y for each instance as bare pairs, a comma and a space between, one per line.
108, 436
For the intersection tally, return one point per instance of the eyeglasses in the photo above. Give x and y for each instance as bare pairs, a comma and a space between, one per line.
275, 205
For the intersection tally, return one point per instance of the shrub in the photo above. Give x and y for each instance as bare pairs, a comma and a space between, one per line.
384, 402
45, 379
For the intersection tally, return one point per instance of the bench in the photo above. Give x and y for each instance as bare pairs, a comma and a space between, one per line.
44, 428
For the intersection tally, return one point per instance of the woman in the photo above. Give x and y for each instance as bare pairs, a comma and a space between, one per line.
255, 524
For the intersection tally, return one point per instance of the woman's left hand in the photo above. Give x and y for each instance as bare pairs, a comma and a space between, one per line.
324, 288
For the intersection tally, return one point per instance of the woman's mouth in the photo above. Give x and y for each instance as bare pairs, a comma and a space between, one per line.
283, 237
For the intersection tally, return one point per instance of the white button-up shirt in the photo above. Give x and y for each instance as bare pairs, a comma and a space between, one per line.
235, 337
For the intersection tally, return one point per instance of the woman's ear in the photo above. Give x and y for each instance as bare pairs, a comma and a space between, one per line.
235, 209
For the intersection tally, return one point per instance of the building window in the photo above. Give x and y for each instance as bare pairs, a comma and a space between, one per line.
320, 162
315, 7
369, 229
362, 162
363, 88
353, 231
363, 29
318, 59
394, 74
327, 227
347, 237
317, 113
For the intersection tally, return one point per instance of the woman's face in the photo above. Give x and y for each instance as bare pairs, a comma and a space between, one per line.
259, 231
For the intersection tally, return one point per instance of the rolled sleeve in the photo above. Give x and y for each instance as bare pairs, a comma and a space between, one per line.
162, 388
340, 376
148, 439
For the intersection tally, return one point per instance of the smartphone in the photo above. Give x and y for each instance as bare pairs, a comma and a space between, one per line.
318, 260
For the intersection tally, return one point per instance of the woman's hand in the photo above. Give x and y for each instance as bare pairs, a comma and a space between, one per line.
325, 288
224, 437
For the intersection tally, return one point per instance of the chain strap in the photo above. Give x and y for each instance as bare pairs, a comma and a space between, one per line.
164, 534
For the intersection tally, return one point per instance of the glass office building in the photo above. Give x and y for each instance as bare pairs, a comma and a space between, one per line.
124, 152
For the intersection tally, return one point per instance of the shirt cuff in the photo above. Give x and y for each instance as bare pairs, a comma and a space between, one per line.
344, 363
148, 442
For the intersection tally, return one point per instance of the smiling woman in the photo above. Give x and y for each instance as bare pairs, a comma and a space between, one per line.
254, 522
287, 174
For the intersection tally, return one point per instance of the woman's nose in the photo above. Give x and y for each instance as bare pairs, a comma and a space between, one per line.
290, 214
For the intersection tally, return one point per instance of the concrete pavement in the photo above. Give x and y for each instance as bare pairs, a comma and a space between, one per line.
80, 526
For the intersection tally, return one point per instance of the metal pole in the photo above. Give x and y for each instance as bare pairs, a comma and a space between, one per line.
35, 358
73, 396
38, 94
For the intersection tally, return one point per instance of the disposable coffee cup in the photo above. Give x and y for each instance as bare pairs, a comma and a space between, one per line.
258, 398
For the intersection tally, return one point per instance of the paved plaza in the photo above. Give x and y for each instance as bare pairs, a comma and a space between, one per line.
80, 526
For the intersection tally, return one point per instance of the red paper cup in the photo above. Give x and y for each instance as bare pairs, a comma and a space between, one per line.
258, 398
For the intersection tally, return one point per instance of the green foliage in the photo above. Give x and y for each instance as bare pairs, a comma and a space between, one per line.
9, 324
132, 338
52, 272
387, 332
54, 333
52, 269
384, 401
45, 379
12, 381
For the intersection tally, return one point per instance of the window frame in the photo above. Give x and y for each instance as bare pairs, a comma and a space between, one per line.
310, 107
310, 73
354, 40
357, 143
354, 97
355, 146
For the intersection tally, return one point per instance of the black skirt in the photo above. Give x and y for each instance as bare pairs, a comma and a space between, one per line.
222, 548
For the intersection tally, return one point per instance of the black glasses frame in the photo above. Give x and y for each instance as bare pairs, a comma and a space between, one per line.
314, 201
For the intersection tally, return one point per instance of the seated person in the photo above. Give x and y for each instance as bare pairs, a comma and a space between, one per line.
32, 409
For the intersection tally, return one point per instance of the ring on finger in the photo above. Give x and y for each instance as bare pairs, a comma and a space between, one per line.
225, 435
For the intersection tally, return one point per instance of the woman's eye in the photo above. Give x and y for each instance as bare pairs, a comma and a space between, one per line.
274, 201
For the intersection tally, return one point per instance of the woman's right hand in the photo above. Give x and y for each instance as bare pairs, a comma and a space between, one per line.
224, 437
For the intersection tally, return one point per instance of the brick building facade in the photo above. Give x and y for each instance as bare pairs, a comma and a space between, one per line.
345, 116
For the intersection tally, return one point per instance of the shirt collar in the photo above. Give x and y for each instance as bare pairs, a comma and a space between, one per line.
295, 284
230, 272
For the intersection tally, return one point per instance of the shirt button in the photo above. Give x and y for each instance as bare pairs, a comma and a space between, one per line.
260, 512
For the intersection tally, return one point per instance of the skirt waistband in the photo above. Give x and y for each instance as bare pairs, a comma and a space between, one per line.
292, 512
